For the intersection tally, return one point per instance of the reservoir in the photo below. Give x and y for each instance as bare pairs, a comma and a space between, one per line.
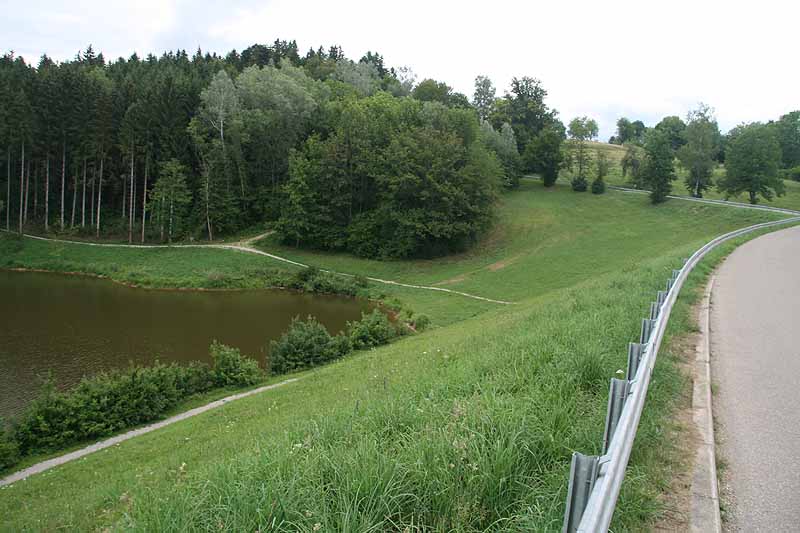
73, 326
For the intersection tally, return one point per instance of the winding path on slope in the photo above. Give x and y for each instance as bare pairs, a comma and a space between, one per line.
247, 247
755, 359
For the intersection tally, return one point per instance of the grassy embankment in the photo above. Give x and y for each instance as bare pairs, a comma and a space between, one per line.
615, 153
467, 427
154, 267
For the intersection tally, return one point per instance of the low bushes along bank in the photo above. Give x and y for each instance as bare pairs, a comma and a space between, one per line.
119, 399
113, 401
308, 344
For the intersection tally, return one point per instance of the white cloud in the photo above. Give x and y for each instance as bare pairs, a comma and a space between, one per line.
604, 59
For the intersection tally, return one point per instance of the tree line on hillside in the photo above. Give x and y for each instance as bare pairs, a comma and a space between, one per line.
757, 157
334, 153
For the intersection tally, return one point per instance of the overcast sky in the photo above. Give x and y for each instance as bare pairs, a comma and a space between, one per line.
602, 59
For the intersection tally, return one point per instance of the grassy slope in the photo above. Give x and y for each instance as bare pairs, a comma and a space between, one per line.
146, 267
791, 200
536, 247
467, 427
540, 244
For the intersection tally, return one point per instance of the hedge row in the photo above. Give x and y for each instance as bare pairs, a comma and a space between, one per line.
120, 399
112, 401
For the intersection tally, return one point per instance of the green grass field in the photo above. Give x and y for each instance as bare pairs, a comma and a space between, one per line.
467, 427
544, 240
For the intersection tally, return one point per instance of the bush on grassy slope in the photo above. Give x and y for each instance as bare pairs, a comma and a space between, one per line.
373, 329
308, 344
9, 449
112, 401
232, 369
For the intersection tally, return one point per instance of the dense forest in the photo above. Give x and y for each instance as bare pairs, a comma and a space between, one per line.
332, 153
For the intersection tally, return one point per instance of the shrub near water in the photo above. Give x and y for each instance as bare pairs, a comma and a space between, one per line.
308, 344
231, 368
112, 401
9, 450
421, 322
312, 279
373, 329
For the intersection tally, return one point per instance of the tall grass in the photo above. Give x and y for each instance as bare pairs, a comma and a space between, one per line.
478, 434
468, 427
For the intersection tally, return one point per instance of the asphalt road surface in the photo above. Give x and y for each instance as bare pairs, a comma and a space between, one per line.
755, 356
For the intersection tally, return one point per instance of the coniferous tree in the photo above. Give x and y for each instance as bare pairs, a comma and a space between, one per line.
602, 166
659, 169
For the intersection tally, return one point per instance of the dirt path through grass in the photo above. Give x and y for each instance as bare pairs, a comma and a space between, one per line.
247, 247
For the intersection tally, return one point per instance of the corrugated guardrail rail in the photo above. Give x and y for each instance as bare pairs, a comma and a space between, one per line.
595, 481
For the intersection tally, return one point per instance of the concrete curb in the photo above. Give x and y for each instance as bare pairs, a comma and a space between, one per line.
705, 514
97, 446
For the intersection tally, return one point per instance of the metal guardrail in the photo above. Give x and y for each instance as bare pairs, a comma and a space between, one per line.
595, 481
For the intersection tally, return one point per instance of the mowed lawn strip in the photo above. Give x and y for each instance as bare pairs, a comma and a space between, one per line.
466, 427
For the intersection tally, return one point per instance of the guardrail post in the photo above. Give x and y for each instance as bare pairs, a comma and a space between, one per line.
582, 475
647, 327
653, 310
635, 350
669, 284
617, 394
661, 297
675, 274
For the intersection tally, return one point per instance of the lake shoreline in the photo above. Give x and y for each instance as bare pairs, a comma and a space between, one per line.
181, 289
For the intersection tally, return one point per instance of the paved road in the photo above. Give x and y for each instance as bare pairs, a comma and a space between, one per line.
755, 347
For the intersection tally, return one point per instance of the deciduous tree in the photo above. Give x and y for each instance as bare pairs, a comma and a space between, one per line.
751, 164
581, 130
484, 97
171, 197
698, 154
544, 154
788, 132
674, 127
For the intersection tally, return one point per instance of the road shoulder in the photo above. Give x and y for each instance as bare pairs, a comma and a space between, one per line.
705, 513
